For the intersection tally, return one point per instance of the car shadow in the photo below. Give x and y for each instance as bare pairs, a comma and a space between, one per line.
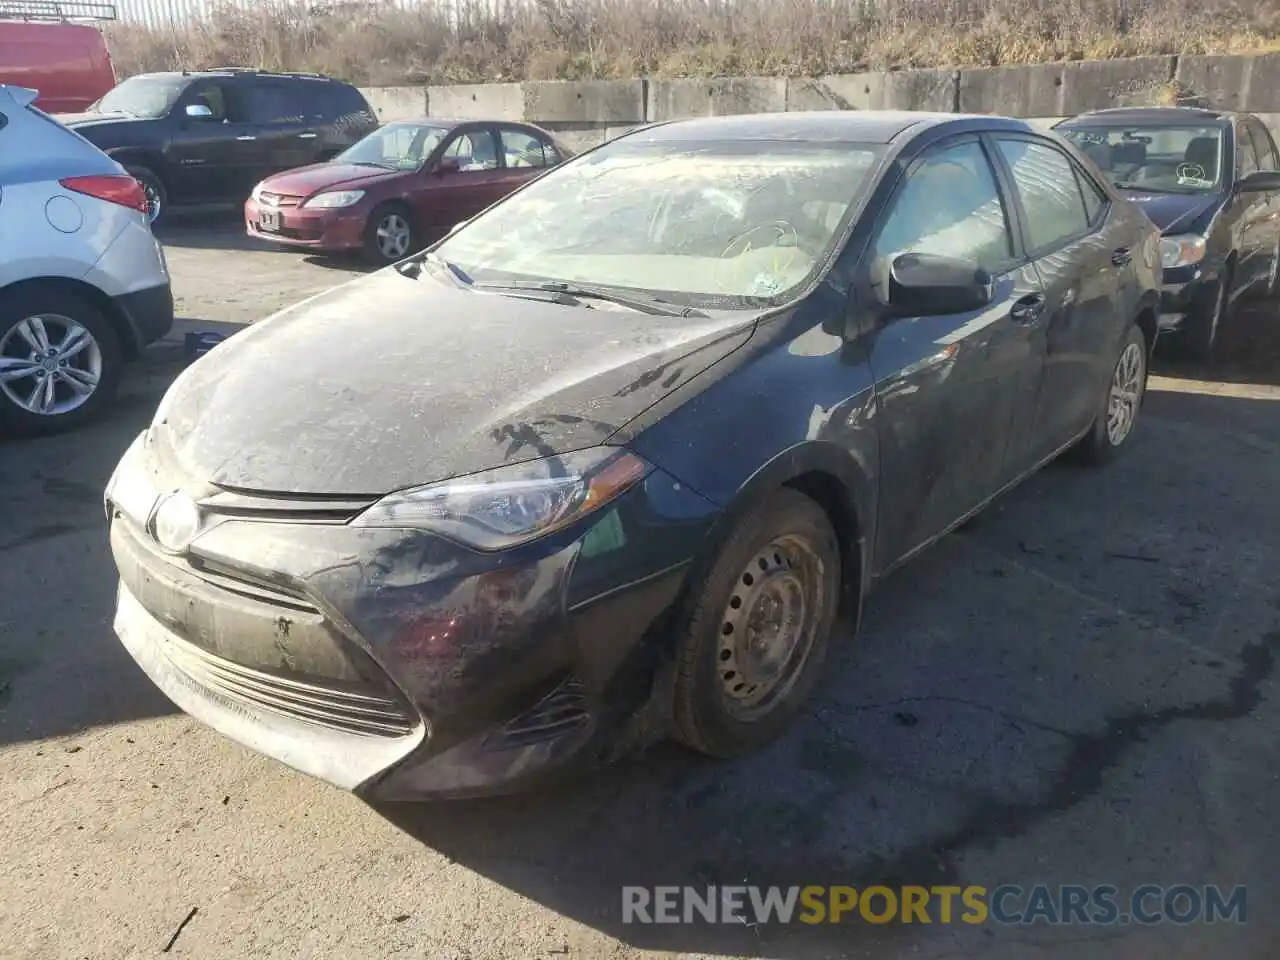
62, 670
1247, 353
999, 707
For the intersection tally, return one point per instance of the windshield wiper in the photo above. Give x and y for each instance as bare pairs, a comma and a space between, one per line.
1143, 188
576, 291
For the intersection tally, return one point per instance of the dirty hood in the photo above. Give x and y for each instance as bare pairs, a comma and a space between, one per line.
387, 382
1173, 212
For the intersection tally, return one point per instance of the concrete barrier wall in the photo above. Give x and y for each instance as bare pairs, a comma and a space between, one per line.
585, 113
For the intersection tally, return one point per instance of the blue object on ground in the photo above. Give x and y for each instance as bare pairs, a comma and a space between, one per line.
198, 344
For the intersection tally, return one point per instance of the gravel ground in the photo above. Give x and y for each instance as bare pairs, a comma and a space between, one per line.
1078, 688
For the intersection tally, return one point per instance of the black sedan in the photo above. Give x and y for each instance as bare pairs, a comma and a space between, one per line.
1210, 181
603, 465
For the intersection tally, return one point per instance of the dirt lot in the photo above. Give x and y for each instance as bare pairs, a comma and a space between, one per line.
1077, 689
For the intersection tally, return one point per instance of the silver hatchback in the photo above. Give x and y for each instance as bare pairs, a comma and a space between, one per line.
83, 283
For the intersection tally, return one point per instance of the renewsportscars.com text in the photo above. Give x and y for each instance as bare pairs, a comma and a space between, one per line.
1006, 904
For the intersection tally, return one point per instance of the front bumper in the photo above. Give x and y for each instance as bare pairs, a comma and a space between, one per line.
318, 229
400, 665
1183, 291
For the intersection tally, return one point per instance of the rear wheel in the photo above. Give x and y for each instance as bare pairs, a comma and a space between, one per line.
389, 235
60, 361
153, 187
753, 641
1120, 403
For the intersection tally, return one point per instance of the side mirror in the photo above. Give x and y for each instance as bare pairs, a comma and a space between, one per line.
198, 111
927, 284
1260, 181
447, 165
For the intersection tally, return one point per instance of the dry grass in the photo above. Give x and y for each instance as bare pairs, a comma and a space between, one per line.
455, 41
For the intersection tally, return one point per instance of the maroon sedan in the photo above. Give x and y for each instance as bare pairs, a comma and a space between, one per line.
400, 186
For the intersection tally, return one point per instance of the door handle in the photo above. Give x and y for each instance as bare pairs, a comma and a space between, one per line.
247, 138
306, 136
1121, 256
1028, 309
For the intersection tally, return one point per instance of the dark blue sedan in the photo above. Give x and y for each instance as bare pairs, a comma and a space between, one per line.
604, 464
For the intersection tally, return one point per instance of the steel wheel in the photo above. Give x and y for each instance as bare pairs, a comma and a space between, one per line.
50, 365
393, 236
1126, 393
768, 625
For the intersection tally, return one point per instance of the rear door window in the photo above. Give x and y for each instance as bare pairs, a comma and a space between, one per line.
1046, 183
475, 151
523, 149
277, 102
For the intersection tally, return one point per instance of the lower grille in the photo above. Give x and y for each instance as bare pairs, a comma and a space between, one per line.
349, 707
562, 710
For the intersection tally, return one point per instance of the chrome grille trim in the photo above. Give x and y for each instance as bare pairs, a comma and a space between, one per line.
353, 709
561, 711
290, 509
272, 199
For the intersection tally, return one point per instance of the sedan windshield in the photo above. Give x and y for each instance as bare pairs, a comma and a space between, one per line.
1157, 158
397, 146
730, 224
143, 96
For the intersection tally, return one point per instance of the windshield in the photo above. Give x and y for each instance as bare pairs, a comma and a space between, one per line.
143, 96
1157, 158
397, 146
731, 225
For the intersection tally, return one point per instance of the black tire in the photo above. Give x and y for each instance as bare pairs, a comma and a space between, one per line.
1100, 445
1203, 325
101, 357
375, 250
157, 195
791, 539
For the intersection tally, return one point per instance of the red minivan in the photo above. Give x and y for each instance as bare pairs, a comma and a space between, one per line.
41, 48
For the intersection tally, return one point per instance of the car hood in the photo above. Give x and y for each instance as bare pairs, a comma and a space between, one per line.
1172, 212
82, 121
388, 382
305, 181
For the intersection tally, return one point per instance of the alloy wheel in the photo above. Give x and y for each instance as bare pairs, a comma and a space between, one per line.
393, 235
1126, 393
769, 625
154, 202
49, 365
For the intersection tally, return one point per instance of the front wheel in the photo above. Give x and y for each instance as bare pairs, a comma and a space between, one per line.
60, 361
758, 627
1205, 322
153, 187
1119, 405
389, 236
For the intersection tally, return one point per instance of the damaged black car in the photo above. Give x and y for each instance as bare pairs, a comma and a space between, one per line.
604, 465
1210, 180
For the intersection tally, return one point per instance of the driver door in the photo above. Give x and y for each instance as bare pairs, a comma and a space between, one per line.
947, 386
213, 158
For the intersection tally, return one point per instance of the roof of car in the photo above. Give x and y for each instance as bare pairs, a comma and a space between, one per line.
866, 126
237, 72
1149, 115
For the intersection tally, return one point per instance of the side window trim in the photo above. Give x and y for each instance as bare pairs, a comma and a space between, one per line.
890, 204
1245, 147
1043, 251
1086, 182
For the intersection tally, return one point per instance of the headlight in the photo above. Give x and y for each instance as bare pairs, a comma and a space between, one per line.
1181, 251
512, 505
257, 193
334, 199
130, 488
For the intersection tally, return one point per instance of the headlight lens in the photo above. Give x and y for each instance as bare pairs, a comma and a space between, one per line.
502, 508
334, 199
1181, 251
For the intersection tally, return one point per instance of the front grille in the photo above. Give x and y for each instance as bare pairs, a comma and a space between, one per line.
562, 710
351, 708
279, 199
229, 502
239, 582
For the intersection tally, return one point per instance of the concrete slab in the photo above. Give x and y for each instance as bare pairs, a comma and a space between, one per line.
599, 102
1234, 83
1099, 84
673, 99
481, 101
397, 103
1032, 91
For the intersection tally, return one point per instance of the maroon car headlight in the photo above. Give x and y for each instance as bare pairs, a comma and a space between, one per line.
512, 505
334, 199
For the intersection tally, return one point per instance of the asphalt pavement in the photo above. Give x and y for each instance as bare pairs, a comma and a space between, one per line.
1079, 688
